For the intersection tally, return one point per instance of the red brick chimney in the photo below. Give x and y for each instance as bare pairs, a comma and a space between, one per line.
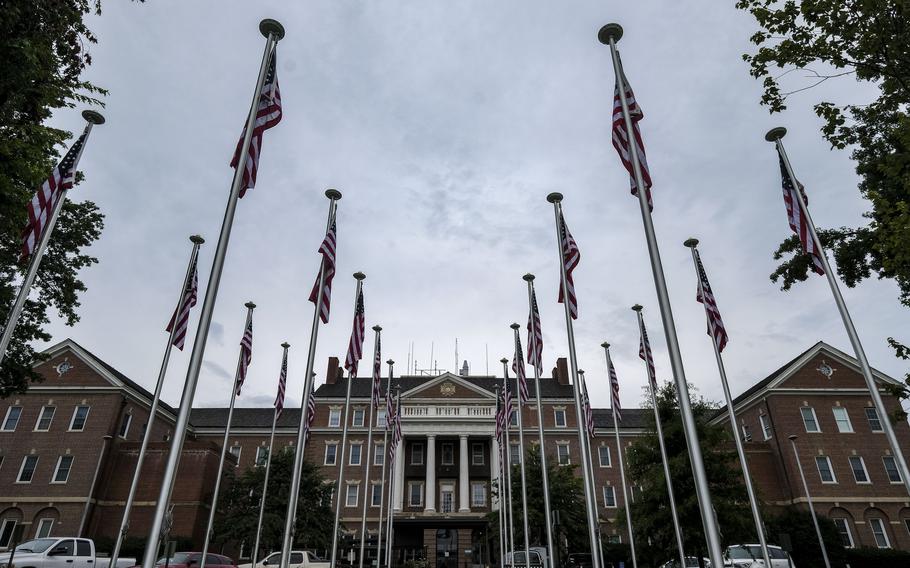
333, 372
561, 371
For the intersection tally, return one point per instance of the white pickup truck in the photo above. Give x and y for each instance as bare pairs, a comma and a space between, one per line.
299, 559
58, 553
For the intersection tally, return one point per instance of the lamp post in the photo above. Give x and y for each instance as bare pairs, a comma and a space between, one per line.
802, 476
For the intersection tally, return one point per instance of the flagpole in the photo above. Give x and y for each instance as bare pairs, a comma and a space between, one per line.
385, 450
663, 449
153, 409
294, 491
508, 452
359, 276
544, 474
619, 455
521, 444
501, 493
92, 118
367, 495
589, 463
273, 31
775, 135
609, 35
389, 536
556, 199
731, 415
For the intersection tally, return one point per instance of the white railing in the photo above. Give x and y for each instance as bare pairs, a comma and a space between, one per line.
447, 411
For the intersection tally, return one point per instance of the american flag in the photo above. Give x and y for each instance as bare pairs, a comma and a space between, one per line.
377, 373
503, 420
327, 250
246, 353
396, 433
311, 414
355, 345
798, 221
570, 258
282, 384
586, 405
51, 191
518, 365
614, 389
268, 114
704, 295
535, 336
644, 353
621, 139
181, 317
500, 417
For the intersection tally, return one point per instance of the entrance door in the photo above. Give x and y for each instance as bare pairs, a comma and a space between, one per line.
446, 548
447, 497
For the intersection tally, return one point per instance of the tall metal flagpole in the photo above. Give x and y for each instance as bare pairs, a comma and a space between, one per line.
385, 450
508, 461
359, 276
268, 465
273, 31
250, 306
389, 536
775, 135
153, 409
294, 491
544, 473
731, 415
556, 199
499, 481
367, 494
619, 456
802, 476
589, 464
519, 360
609, 35
92, 118
663, 448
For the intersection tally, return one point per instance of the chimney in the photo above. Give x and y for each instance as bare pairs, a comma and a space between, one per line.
333, 371
561, 371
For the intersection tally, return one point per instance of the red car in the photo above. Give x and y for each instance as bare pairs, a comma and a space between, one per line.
192, 560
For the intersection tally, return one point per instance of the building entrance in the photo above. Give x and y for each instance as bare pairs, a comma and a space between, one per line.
447, 548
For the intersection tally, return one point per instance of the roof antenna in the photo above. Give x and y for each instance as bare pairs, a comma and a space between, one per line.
456, 353
486, 350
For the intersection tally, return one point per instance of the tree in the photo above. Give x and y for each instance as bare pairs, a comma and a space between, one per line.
795, 525
651, 518
237, 522
43, 52
868, 39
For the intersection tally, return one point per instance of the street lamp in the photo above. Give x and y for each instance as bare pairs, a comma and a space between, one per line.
802, 476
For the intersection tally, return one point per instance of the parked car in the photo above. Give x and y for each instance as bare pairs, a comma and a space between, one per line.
299, 559
750, 556
192, 559
63, 552
538, 559
691, 562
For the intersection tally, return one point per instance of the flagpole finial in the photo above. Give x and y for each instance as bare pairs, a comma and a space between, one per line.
515, 326
775, 134
637, 308
250, 305
333, 194
377, 328
554, 197
269, 27
792, 437
285, 344
610, 31
691, 242
390, 362
528, 277
196, 239
605, 345
93, 117
503, 360
359, 275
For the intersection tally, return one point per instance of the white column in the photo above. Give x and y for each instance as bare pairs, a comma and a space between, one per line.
399, 476
464, 506
494, 471
430, 485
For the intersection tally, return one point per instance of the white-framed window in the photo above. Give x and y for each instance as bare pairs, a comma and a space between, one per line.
331, 454
6, 532
875, 423
858, 466
417, 453
515, 453
747, 433
80, 415
378, 453
843, 529
478, 494
765, 421
355, 454
513, 417
262, 455
375, 494
448, 453
447, 497
62, 471
825, 471
879, 533
562, 454
842, 419
235, 451
334, 418
352, 494
27, 469
415, 494
609, 496
11, 420
125, 422
357, 417
477, 453
45, 526
45, 417
894, 474
810, 421
603, 455
381, 421
559, 417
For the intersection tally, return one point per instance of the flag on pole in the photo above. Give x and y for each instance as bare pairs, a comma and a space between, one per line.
355, 345
586, 406
506, 403
535, 336
798, 221
518, 365
396, 435
704, 295
570, 258
311, 414
621, 137
500, 417
377, 370
327, 250
46, 197
614, 389
268, 114
282, 385
644, 353
181, 318
246, 354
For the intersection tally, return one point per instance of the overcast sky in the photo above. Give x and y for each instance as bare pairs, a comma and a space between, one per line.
445, 125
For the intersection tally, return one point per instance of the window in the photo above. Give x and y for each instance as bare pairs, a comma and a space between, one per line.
77, 424
609, 496
559, 417
765, 421
381, 418
62, 471
356, 451
415, 494
84, 548
513, 417
875, 424
477, 454
262, 456
878, 532
515, 453
417, 453
843, 420
378, 454
125, 425
447, 497
357, 419
894, 474
235, 451
448, 453
478, 494
843, 529
6, 532
45, 417
44, 528
747, 433
331, 453
823, 463
809, 420
334, 418
27, 470
859, 469
562, 454
375, 495
603, 453
351, 495
13, 413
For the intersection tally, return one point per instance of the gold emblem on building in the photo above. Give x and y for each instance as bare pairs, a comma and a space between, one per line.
447, 389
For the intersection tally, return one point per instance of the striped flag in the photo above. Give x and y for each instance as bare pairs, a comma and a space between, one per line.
355, 345
716, 327
570, 258
181, 319
586, 406
621, 138
396, 434
311, 414
377, 373
798, 221
518, 365
51, 191
614, 390
327, 250
500, 422
282, 385
268, 114
644, 353
246, 354
505, 411
535, 336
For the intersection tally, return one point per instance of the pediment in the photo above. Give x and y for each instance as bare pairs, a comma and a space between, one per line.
448, 386
69, 365
825, 367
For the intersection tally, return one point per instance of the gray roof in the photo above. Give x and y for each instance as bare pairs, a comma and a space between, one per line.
629, 417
